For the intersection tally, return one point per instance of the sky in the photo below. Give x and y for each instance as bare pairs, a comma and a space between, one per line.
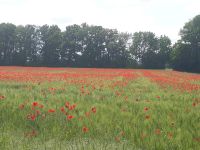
163, 17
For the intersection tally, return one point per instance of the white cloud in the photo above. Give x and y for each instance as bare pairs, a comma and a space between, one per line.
162, 17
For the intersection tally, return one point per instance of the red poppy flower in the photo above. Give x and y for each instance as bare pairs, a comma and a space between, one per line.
87, 114
2, 97
146, 108
158, 97
157, 131
94, 109
62, 109
170, 135
67, 104
51, 110
85, 129
38, 112
33, 117
72, 107
41, 106
147, 116
69, 117
35, 104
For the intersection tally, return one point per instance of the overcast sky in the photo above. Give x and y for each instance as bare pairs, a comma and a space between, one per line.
159, 16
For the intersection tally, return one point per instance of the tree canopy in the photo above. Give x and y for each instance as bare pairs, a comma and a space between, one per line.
186, 52
150, 51
94, 46
79, 46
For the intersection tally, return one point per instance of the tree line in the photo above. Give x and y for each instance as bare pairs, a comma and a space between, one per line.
94, 46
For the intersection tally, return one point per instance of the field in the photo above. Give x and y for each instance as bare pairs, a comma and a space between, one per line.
69, 108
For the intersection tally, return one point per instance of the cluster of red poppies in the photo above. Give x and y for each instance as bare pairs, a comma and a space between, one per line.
173, 79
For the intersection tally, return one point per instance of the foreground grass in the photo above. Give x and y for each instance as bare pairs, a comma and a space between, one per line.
139, 115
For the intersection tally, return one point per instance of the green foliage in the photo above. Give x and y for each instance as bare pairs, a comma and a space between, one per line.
72, 45
80, 46
186, 53
7, 40
150, 51
31, 45
94, 46
51, 39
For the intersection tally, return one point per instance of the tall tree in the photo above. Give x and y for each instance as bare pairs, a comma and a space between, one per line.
94, 45
163, 53
118, 49
71, 45
51, 38
32, 45
85, 46
7, 43
186, 52
143, 49
150, 51
181, 57
20, 55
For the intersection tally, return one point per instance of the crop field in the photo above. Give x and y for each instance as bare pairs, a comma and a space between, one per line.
72, 109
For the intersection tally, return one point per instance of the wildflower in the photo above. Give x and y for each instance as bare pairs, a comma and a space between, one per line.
69, 117
122, 133
34, 104
157, 131
67, 104
41, 106
117, 139
94, 109
85, 129
21, 106
2, 97
170, 135
146, 108
72, 107
51, 110
38, 112
158, 97
32, 108
194, 104
33, 117
87, 114
147, 117
62, 109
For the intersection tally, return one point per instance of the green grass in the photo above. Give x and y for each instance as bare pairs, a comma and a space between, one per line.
172, 114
